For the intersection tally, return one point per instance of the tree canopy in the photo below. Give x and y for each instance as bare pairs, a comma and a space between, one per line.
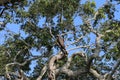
62, 39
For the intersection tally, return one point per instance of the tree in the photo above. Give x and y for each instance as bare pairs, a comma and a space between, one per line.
92, 45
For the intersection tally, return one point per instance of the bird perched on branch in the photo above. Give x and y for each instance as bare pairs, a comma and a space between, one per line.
60, 42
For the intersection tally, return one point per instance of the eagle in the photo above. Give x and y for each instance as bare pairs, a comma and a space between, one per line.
60, 42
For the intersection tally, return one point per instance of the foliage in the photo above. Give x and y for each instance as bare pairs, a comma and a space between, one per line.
96, 36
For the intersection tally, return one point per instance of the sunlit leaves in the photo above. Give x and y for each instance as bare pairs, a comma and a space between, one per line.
114, 30
49, 9
88, 7
109, 9
111, 31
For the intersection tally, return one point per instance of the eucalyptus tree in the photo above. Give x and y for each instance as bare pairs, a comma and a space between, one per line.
67, 39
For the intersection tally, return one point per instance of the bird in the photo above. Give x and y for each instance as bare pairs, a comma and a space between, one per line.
60, 42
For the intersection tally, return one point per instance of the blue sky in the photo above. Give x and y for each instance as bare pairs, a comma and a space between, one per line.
16, 27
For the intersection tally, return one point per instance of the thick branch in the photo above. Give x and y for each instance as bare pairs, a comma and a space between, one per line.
71, 73
64, 68
51, 65
97, 51
55, 58
95, 73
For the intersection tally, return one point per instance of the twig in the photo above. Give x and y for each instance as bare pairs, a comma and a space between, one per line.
96, 13
87, 46
51, 33
13, 33
16, 56
67, 33
42, 72
75, 41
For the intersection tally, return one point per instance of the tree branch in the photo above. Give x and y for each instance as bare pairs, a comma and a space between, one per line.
64, 68
51, 65
87, 46
18, 64
42, 72
76, 41
71, 73
95, 73
97, 50
81, 54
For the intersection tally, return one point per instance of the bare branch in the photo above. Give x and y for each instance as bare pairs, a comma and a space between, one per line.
64, 68
22, 75
18, 53
87, 46
42, 72
95, 73
51, 65
96, 53
51, 32
67, 33
94, 18
21, 64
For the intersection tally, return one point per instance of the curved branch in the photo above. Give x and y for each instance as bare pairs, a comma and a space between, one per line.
18, 64
64, 68
95, 73
51, 65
